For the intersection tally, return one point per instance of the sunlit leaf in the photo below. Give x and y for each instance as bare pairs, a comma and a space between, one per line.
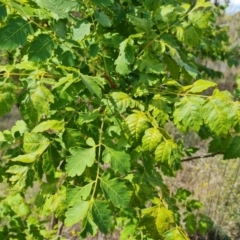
78, 161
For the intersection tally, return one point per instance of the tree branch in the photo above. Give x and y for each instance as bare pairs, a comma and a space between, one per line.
203, 156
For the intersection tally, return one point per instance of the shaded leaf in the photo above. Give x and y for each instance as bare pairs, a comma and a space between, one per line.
93, 84
14, 33
102, 216
102, 18
3, 11
233, 151
7, 97
116, 191
41, 48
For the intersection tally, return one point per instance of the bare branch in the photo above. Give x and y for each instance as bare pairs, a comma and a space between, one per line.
198, 157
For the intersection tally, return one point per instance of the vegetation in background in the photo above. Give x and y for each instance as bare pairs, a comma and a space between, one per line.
96, 82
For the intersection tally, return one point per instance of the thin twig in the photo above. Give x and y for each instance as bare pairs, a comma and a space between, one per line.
198, 157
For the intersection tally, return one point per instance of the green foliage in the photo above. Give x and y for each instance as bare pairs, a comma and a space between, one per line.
95, 83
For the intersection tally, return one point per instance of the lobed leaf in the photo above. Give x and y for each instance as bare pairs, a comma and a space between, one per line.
78, 212
79, 160
77, 194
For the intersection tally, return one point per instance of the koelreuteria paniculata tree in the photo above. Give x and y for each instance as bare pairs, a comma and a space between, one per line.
95, 82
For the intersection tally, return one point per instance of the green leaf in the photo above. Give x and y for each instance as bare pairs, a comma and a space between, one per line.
52, 126
182, 194
102, 216
167, 152
81, 30
60, 29
101, 3
35, 143
175, 234
14, 33
77, 194
41, 48
190, 223
194, 204
160, 109
116, 191
233, 151
27, 158
121, 101
156, 220
149, 64
79, 160
18, 204
201, 85
151, 139
40, 97
191, 37
216, 113
205, 223
200, 19
120, 160
188, 113
7, 97
3, 11
141, 24
19, 176
59, 7
135, 126
129, 232
88, 226
125, 57
93, 84
102, 18
76, 213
